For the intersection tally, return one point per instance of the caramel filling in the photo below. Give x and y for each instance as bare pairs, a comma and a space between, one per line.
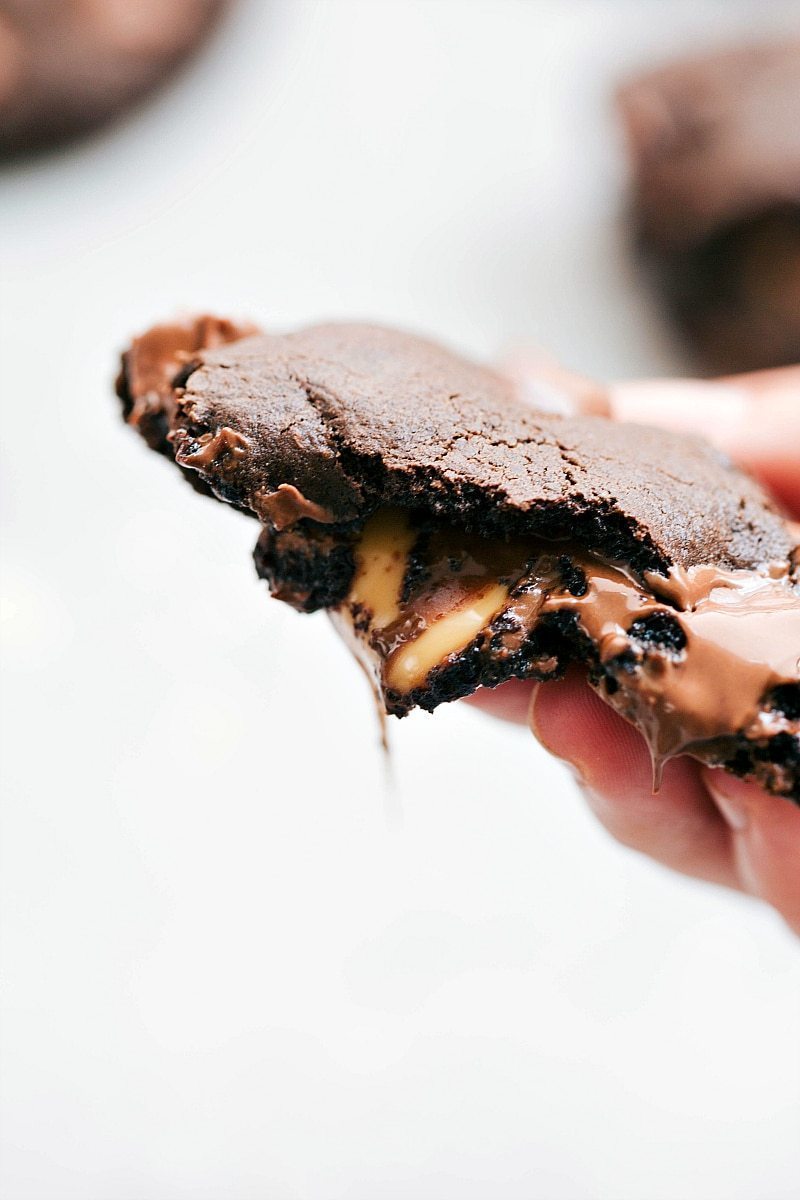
382, 560
690, 657
412, 662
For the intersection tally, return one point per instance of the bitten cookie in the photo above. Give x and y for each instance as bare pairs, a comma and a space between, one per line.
459, 538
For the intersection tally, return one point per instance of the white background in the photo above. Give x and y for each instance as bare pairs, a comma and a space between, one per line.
236, 962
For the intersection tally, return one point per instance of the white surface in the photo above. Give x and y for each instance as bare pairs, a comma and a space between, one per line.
234, 964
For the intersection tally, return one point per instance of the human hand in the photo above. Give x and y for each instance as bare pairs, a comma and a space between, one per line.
703, 822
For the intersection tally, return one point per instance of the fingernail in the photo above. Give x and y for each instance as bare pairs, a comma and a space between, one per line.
546, 397
550, 388
727, 793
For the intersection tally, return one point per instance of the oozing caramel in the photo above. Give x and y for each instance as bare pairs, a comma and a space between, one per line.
419, 599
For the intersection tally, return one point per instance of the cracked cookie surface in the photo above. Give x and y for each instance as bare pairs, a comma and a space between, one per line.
355, 416
322, 435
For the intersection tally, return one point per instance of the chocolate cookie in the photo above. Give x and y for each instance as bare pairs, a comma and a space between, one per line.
715, 151
67, 66
460, 538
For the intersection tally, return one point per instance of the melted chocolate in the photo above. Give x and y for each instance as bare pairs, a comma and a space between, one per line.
689, 657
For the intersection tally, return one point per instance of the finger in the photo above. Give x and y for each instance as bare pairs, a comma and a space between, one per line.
753, 418
766, 839
679, 826
543, 383
509, 702
779, 461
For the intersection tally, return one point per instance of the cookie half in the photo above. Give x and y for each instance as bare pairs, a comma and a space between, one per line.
459, 538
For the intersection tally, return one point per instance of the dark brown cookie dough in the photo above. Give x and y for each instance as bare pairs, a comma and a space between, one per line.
354, 416
333, 433
715, 152
67, 66
152, 363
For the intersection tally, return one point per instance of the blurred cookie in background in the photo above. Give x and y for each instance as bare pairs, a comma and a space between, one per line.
68, 66
714, 144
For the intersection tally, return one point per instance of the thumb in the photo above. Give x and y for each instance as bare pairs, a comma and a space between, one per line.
753, 418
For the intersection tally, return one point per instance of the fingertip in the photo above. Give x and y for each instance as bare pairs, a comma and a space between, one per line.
718, 411
733, 797
678, 825
544, 385
745, 804
755, 419
511, 701
572, 722
766, 837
